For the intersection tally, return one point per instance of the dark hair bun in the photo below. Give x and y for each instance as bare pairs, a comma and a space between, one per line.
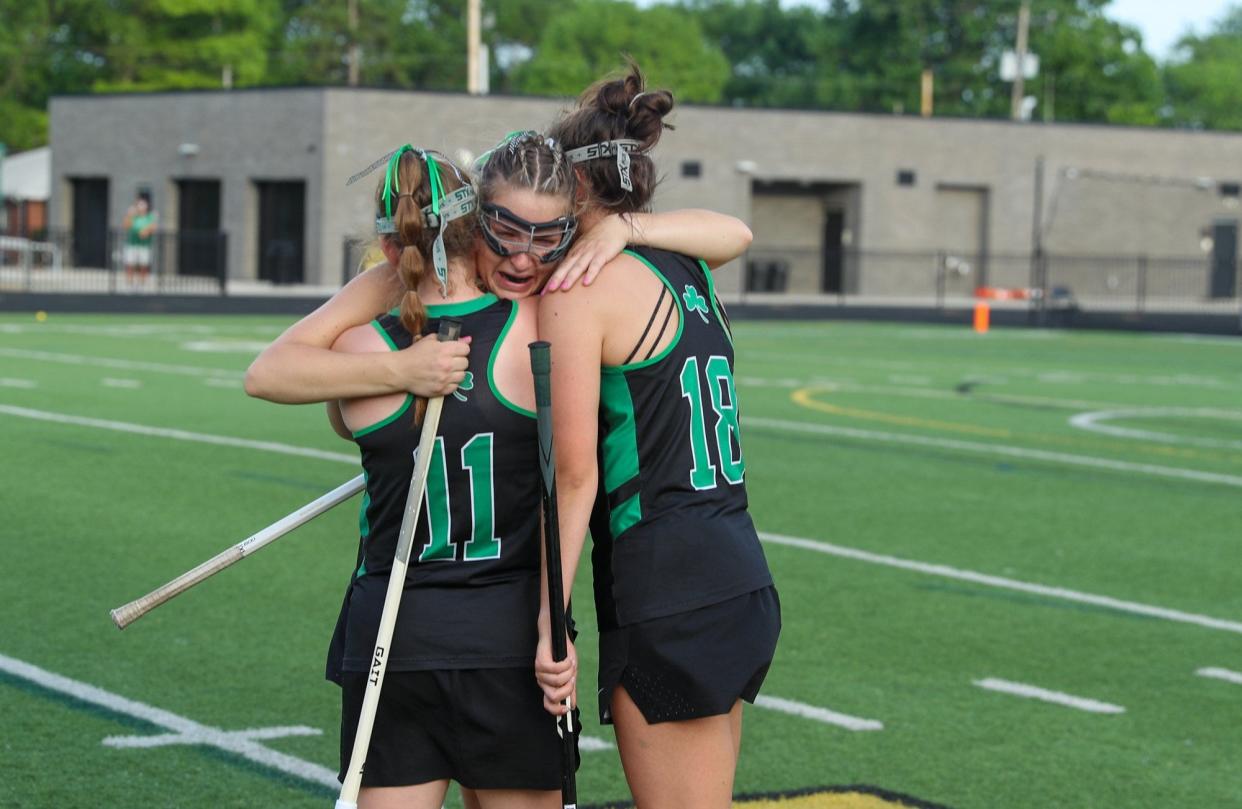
640, 112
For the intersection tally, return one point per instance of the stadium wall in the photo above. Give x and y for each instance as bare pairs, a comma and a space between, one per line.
901, 186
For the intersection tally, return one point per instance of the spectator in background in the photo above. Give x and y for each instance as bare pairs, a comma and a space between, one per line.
139, 226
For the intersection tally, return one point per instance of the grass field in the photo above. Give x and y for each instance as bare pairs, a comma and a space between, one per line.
942, 511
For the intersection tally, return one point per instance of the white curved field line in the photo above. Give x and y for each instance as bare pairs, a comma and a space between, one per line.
1092, 422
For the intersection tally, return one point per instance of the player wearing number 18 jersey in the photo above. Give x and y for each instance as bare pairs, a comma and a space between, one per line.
649, 453
670, 530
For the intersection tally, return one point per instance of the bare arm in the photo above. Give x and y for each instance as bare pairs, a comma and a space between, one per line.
714, 237
572, 323
300, 367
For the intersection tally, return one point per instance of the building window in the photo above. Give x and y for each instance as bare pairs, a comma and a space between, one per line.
905, 177
691, 168
1231, 190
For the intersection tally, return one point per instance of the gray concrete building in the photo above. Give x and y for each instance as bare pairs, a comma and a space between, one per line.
870, 205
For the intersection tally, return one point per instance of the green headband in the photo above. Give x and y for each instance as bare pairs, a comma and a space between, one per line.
462, 201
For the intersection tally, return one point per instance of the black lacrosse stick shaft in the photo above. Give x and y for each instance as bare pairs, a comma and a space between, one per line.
541, 365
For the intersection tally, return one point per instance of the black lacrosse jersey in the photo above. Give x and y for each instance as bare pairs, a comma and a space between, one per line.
670, 528
471, 597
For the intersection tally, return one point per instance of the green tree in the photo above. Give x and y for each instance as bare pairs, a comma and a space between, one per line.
401, 43
182, 44
1092, 68
1204, 82
45, 48
586, 42
770, 48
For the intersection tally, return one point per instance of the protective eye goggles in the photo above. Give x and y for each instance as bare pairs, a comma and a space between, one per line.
508, 234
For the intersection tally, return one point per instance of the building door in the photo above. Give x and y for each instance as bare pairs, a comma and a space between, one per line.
90, 222
200, 244
962, 230
1223, 281
834, 229
282, 231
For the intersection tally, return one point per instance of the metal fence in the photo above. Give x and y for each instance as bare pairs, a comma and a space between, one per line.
176, 262
944, 278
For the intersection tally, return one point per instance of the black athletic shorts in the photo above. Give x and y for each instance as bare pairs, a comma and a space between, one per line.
483, 728
692, 664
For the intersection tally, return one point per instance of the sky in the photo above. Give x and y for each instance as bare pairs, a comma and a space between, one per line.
1164, 21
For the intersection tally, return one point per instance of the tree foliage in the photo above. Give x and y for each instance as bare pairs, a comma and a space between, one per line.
865, 55
1205, 80
586, 42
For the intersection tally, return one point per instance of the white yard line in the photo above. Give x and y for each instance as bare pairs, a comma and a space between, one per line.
10, 382
971, 576
998, 449
1044, 695
778, 539
236, 743
805, 711
1221, 674
244, 743
109, 382
179, 435
112, 362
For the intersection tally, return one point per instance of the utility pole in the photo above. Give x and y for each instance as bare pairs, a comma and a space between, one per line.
354, 57
1019, 89
474, 26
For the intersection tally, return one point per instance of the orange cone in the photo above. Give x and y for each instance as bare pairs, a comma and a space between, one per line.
982, 315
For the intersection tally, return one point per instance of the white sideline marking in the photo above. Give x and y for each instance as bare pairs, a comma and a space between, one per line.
212, 737
253, 734
818, 714
180, 435
9, 382
797, 542
109, 382
1056, 697
590, 744
222, 383
1007, 584
244, 743
999, 449
1221, 674
225, 346
112, 362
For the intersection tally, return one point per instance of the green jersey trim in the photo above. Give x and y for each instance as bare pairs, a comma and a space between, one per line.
364, 526
387, 338
681, 324
409, 397
454, 309
620, 446
711, 293
625, 515
491, 364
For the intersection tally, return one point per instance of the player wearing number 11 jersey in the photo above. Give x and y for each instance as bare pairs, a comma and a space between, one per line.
459, 699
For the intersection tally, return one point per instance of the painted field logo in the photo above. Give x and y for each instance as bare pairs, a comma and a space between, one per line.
854, 796
851, 797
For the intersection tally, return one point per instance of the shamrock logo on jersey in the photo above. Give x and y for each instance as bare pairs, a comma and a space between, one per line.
466, 384
695, 302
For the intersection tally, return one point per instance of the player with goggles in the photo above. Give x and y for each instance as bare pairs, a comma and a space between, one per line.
508, 234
